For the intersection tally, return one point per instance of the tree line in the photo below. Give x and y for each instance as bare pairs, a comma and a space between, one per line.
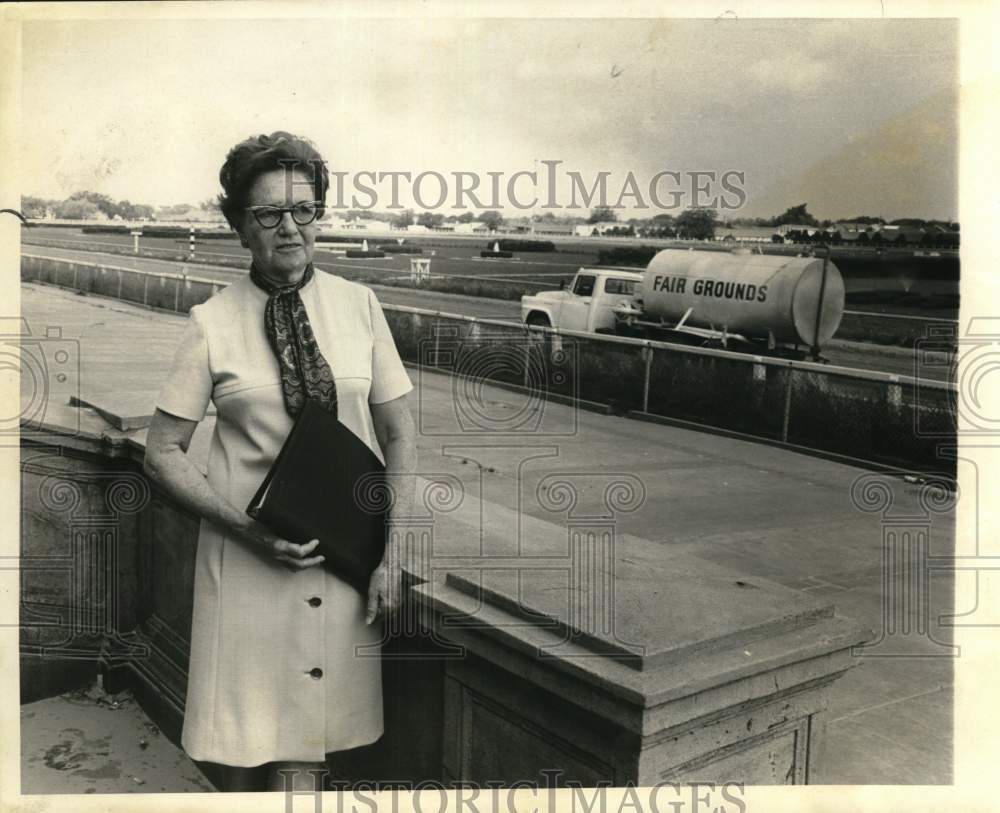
693, 223
85, 206
800, 216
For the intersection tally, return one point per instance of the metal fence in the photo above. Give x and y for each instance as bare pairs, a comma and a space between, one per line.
872, 417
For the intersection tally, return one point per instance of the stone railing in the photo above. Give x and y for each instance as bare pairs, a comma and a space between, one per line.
526, 644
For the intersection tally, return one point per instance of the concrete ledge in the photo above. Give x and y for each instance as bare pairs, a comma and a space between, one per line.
531, 676
555, 397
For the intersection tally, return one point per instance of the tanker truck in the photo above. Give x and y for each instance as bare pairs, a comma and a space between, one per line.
767, 304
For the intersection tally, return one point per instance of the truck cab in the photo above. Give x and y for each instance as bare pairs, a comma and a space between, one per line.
587, 304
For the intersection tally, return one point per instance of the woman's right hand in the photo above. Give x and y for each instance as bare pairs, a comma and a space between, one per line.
291, 555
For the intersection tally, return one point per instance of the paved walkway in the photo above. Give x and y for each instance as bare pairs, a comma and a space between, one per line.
764, 511
87, 741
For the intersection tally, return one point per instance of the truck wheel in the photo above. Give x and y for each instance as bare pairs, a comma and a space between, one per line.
539, 320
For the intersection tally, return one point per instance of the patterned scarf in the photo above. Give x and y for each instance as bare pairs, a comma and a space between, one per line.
304, 371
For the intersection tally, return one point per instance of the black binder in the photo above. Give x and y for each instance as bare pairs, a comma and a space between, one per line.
327, 484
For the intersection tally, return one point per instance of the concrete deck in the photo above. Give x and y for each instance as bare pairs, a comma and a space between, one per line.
764, 511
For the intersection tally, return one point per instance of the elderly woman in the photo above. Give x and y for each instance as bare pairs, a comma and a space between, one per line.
284, 662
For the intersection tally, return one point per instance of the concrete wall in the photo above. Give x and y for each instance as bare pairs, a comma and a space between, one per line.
107, 585
501, 697
81, 512
873, 417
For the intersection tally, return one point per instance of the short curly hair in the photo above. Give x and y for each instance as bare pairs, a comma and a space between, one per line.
264, 153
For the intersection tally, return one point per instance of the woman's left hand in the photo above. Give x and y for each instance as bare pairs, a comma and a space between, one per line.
385, 587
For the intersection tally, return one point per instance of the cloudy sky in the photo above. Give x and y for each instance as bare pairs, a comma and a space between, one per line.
851, 116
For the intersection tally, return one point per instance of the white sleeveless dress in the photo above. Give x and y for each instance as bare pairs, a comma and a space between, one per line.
283, 666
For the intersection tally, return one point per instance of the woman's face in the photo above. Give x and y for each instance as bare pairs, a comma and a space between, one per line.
282, 252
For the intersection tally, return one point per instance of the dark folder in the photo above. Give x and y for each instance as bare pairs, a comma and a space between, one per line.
327, 484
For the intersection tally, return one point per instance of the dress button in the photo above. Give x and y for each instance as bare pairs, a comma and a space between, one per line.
315, 601
316, 672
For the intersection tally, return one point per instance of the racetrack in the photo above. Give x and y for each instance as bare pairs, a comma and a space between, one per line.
895, 360
916, 293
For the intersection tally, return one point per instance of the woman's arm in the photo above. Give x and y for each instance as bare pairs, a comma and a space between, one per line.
168, 464
397, 436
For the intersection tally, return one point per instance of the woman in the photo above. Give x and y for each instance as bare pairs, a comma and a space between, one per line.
284, 655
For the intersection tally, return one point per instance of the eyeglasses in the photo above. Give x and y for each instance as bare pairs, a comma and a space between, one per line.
268, 217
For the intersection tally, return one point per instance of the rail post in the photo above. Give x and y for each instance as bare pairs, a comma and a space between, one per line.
894, 395
420, 269
789, 377
647, 352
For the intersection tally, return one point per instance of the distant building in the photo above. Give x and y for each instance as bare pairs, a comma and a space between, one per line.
520, 225
849, 232
555, 229
871, 234
473, 227
331, 222
362, 224
744, 234
188, 214
598, 229
911, 235
805, 228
